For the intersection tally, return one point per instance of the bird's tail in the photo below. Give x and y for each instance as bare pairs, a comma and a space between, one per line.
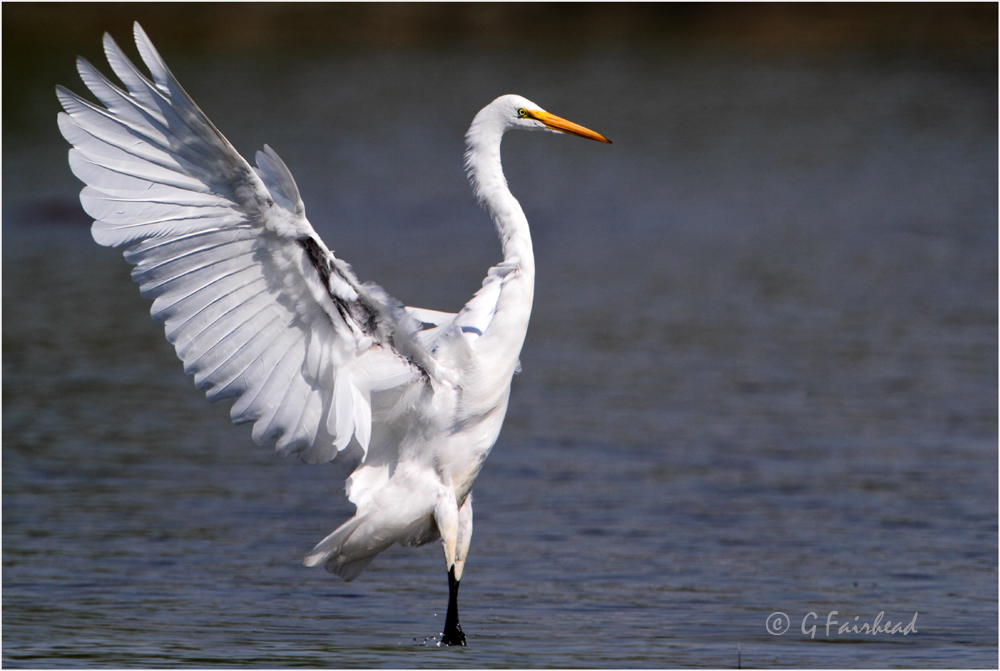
342, 558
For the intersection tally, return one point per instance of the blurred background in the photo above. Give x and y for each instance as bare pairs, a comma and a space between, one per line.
761, 373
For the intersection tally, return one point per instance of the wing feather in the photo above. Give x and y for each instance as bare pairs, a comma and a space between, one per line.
256, 306
478, 313
340, 422
445, 330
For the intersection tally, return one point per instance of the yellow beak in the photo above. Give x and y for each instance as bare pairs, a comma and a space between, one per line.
563, 126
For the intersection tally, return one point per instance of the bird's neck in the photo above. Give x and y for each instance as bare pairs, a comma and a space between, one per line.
482, 162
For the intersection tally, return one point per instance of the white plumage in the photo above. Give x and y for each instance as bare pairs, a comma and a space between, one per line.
262, 312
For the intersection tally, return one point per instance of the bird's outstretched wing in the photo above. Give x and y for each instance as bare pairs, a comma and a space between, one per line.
257, 307
437, 328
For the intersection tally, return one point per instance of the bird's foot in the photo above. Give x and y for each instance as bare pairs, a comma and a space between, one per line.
453, 635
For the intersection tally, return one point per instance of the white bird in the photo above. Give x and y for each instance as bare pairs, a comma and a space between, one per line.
262, 312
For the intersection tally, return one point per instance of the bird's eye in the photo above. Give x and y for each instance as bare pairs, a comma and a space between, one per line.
523, 113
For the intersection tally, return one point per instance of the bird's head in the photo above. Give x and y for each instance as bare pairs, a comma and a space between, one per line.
519, 112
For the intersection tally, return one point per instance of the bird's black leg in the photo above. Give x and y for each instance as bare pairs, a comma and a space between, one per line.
452, 634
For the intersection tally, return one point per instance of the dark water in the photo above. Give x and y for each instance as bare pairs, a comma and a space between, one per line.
761, 376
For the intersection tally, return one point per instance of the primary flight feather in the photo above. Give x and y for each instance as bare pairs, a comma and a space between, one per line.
262, 312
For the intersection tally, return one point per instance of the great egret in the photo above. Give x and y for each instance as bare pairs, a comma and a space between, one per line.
262, 312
